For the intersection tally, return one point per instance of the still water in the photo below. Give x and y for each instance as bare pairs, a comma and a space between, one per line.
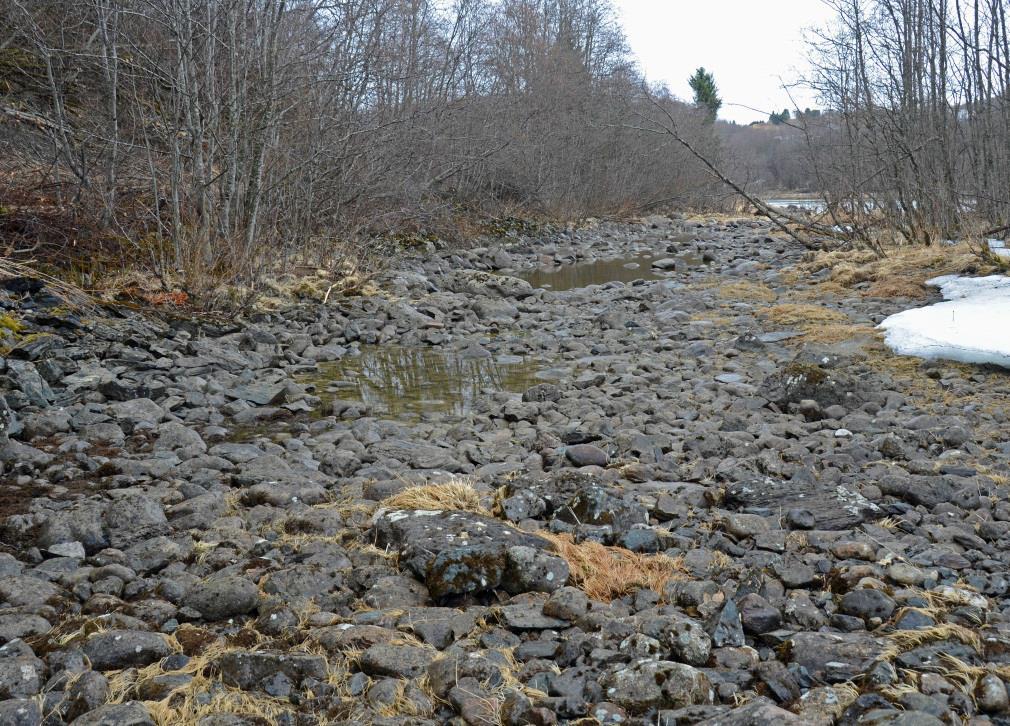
409, 381
624, 269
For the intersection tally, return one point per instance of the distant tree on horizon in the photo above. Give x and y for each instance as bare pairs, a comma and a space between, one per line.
706, 93
780, 118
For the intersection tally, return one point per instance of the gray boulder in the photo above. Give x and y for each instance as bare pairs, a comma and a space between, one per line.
653, 684
117, 649
456, 553
220, 598
131, 713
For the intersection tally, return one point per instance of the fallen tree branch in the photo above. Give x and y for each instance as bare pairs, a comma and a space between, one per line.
30, 118
775, 216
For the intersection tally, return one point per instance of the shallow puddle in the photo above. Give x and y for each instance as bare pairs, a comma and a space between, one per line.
400, 381
625, 269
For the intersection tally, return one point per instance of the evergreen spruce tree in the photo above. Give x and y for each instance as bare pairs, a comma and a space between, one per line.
706, 93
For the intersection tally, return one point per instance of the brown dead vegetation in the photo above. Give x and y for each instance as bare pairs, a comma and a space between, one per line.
457, 495
605, 573
747, 292
902, 273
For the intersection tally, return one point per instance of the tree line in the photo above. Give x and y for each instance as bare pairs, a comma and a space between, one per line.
920, 130
210, 134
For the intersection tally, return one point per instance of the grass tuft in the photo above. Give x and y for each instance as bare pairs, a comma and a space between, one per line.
902, 273
457, 495
803, 314
747, 291
908, 639
605, 573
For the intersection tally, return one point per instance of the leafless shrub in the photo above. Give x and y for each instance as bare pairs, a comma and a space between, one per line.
218, 138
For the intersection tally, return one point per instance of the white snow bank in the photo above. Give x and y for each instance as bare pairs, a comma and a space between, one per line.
972, 326
998, 247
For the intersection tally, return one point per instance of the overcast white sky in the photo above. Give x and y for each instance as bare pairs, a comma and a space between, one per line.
751, 46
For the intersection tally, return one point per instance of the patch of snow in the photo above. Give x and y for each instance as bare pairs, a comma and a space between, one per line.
998, 247
971, 326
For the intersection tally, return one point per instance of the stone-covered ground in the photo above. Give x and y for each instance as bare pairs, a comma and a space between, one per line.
731, 506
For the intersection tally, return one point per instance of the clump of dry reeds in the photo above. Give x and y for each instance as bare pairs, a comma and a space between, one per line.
457, 495
605, 573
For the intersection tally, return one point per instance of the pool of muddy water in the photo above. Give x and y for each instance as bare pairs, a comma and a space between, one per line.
599, 272
399, 381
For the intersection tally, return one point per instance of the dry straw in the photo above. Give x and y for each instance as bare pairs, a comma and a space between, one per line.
605, 573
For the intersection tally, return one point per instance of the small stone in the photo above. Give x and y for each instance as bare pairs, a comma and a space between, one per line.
131, 713
905, 574
396, 661
868, 603
757, 615
67, 549
649, 684
745, 525
802, 519
20, 712
586, 455
117, 649
533, 570
726, 628
854, 551
567, 603
991, 694
220, 598
608, 713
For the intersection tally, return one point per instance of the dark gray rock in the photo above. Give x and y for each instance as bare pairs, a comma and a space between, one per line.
831, 656
21, 673
586, 455
26, 379
726, 627
28, 592
86, 692
131, 713
20, 712
567, 603
117, 649
596, 506
832, 507
14, 625
799, 381
250, 670
396, 661
453, 552
533, 570
759, 712
757, 615
219, 598
655, 684
868, 603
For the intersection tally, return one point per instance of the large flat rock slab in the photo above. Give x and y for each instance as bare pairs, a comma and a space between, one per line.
834, 507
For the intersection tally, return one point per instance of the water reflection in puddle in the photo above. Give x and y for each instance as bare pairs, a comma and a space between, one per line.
624, 269
406, 381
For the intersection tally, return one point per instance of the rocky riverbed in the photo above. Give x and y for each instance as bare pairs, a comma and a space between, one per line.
712, 497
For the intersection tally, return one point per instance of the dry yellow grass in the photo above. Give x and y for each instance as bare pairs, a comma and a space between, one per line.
457, 495
836, 332
908, 639
802, 314
747, 291
897, 288
901, 274
205, 694
605, 573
